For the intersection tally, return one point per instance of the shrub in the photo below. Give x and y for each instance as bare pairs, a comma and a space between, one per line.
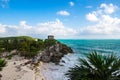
96, 67
2, 63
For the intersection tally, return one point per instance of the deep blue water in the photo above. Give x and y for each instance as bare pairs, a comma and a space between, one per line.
84, 47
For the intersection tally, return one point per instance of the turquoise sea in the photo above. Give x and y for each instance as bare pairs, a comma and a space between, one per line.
84, 47
81, 49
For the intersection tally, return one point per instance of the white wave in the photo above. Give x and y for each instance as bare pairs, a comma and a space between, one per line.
57, 72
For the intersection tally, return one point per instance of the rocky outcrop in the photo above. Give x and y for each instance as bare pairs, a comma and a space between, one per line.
55, 53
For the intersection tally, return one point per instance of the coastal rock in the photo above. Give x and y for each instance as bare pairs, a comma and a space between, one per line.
55, 52
65, 49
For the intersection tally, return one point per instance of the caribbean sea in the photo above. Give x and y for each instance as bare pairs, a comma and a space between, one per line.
83, 47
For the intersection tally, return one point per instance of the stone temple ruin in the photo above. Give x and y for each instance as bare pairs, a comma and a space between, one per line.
50, 37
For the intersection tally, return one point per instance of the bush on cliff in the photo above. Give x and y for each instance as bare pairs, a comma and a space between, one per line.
49, 42
30, 47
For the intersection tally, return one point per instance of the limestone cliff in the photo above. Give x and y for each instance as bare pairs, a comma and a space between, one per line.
55, 52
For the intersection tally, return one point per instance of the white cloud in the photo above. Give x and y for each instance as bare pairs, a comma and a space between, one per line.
71, 3
108, 9
104, 9
105, 25
91, 17
23, 23
53, 27
63, 13
2, 29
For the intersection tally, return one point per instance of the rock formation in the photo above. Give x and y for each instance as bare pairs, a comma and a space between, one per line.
54, 53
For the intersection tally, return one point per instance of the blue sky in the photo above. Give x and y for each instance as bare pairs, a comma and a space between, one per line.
76, 19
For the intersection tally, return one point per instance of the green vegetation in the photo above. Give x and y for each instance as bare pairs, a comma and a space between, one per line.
49, 42
18, 38
11, 43
26, 46
96, 67
2, 63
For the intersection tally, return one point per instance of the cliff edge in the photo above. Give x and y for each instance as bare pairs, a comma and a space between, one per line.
55, 52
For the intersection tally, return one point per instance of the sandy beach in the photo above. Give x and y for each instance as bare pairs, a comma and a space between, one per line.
17, 70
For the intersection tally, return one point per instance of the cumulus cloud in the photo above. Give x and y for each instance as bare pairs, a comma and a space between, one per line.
108, 9
91, 17
104, 9
71, 3
108, 26
55, 28
104, 24
63, 13
48, 28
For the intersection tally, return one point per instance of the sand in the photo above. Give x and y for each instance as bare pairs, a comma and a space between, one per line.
45, 71
16, 70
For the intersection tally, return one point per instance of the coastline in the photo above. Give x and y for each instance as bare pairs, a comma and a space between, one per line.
27, 63
45, 71
50, 70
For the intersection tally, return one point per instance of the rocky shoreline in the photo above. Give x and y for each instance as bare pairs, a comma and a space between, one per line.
54, 53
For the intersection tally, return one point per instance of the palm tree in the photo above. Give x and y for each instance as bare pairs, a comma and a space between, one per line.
96, 67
